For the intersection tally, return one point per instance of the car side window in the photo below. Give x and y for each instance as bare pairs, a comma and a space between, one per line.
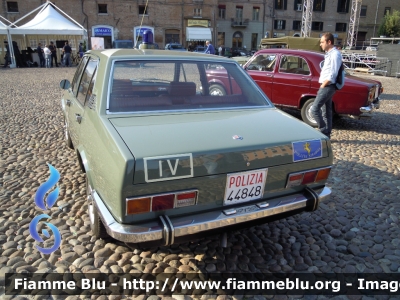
263, 62
90, 97
294, 65
86, 80
78, 74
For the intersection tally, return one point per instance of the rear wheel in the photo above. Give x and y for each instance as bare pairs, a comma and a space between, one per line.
217, 90
306, 114
98, 229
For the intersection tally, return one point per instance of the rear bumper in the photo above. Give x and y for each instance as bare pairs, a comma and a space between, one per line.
370, 108
166, 229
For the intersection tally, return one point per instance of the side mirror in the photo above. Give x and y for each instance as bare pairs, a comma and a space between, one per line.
65, 84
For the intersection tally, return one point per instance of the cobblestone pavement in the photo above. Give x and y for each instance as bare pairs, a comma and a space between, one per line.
357, 230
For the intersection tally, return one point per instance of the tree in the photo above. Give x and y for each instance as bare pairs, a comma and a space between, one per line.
390, 25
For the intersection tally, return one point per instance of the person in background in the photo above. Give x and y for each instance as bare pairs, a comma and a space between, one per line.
53, 50
327, 79
17, 55
220, 50
190, 47
80, 50
40, 54
7, 58
67, 55
210, 48
48, 56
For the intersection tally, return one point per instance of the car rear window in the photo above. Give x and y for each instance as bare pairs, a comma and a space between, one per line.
137, 86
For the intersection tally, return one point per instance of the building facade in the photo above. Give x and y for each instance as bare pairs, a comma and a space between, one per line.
231, 23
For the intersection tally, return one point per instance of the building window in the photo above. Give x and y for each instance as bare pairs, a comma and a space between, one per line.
197, 12
256, 13
221, 38
279, 24
221, 11
343, 6
143, 10
363, 11
319, 5
12, 7
298, 5
102, 8
341, 27
296, 25
254, 41
280, 4
317, 26
33, 43
387, 11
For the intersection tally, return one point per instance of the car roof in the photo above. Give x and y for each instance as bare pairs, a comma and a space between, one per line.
152, 53
308, 53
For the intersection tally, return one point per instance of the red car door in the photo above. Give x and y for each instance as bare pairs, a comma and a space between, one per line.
291, 80
261, 69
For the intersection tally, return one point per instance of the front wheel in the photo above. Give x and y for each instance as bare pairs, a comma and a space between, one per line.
98, 229
217, 90
68, 140
306, 114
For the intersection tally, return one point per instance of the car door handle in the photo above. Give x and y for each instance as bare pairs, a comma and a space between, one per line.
308, 79
78, 118
269, 75
68, 102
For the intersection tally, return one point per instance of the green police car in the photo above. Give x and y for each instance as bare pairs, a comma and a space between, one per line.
167, 159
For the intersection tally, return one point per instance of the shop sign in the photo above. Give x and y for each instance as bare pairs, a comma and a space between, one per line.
102, 31
194, 22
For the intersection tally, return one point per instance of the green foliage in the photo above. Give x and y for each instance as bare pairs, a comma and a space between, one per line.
390, 25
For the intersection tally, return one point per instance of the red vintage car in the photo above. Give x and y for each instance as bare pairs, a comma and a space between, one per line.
290, 79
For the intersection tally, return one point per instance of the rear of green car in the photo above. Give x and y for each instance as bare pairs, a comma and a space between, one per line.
175, 162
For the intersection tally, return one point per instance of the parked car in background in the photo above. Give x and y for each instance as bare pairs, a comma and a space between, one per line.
126, 44
167, 160
290, 79
175, 47
240, 52
199, 49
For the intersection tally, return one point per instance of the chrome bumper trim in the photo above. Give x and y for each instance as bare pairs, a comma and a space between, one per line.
192, 224
374, 105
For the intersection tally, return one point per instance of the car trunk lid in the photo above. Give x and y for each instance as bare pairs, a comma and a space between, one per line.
175, 146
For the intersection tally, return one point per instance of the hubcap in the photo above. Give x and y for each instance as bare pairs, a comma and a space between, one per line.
216, 92
89, 199
66, 131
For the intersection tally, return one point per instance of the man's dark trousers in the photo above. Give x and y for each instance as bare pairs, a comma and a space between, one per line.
324, 101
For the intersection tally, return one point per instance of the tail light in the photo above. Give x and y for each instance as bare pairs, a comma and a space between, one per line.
159, 202
307, 177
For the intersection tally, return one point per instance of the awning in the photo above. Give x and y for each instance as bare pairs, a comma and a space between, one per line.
198, 34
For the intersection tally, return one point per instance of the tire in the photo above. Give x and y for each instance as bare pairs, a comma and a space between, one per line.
306, 113
217, 90
67, 136
97, 226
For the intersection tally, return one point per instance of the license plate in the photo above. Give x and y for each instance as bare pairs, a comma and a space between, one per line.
245, 186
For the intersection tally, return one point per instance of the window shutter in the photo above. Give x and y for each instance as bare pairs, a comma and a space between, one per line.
285, 4
275, 24
347, 6
323, 5
295, 4
283, 24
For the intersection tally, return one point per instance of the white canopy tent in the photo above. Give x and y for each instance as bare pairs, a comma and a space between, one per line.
4, 30
49, 21
52, 22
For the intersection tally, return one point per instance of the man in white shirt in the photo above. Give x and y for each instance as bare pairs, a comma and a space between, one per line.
327, 79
